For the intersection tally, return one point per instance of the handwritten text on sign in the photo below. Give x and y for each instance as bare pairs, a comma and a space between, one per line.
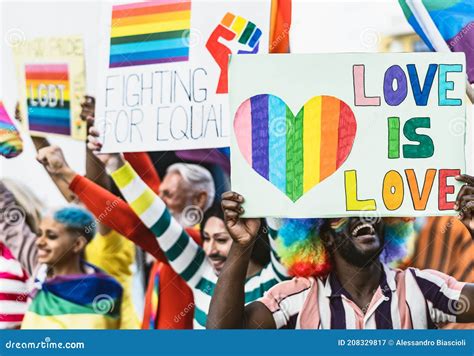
163, 85
378, 134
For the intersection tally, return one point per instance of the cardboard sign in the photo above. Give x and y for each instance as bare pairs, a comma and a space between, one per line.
334, 135
163, 77
51, 77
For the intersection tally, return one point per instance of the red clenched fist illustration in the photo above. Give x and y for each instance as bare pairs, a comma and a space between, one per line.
232, 29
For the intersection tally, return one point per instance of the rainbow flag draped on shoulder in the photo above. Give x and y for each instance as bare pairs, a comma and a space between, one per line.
84, 301
444, 25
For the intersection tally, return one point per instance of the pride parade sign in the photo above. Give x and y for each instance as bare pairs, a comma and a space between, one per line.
51, 77
163, 76
332, 135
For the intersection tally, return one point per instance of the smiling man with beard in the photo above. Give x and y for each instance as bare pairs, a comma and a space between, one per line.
350, 287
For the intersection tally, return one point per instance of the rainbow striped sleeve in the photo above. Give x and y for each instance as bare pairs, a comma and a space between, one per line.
280, 271
185, 256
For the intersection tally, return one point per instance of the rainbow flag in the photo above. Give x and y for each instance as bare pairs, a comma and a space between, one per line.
84, 301
448, 21
48, 99
294, 153
150, 32
11, 144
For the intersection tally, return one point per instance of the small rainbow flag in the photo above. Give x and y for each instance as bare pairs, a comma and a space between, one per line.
47, 92
295, 153
11, 144
150, 32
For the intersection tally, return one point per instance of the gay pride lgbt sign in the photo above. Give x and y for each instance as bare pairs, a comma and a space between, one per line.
348, 134
47, 87
163, 77
51, 78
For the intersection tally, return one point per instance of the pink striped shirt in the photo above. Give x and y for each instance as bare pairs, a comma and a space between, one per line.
13, 290
410, 299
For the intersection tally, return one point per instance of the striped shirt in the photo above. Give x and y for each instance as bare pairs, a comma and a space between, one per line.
13, 290
410, 299
185, 256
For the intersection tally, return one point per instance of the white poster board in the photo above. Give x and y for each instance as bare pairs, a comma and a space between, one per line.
163, 75
332, 135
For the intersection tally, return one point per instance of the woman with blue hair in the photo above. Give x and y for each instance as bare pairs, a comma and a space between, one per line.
68, 292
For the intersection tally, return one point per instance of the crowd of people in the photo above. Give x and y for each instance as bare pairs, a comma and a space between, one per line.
171, 216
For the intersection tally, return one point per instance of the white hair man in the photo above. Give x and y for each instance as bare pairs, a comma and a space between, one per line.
185, 188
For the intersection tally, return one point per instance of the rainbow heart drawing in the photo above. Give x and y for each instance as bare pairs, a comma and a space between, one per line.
295, 153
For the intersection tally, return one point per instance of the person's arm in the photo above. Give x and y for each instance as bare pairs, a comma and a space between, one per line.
112, 211
39, 143
465, 306
95, 171
15, 232
184, 255
227, 309
105, 206
465, 205
143, 165
449, 301
465, 202
280, 271
95, 168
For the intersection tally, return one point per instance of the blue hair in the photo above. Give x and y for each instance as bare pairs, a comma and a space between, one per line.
78, 219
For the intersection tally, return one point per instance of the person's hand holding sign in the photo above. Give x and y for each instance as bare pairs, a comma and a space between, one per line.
112, 161
232, 28
465, 202
242, 231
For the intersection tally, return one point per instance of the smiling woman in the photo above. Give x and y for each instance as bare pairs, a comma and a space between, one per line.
60, 245
68, 292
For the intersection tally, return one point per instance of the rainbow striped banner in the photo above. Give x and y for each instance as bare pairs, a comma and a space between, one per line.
295, 153
150, 32
11, 144
48, 98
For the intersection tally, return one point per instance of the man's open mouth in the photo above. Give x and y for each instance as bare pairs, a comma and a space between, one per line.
363, 229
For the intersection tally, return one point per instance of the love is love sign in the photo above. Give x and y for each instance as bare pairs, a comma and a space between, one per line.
333, 135
163, 73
